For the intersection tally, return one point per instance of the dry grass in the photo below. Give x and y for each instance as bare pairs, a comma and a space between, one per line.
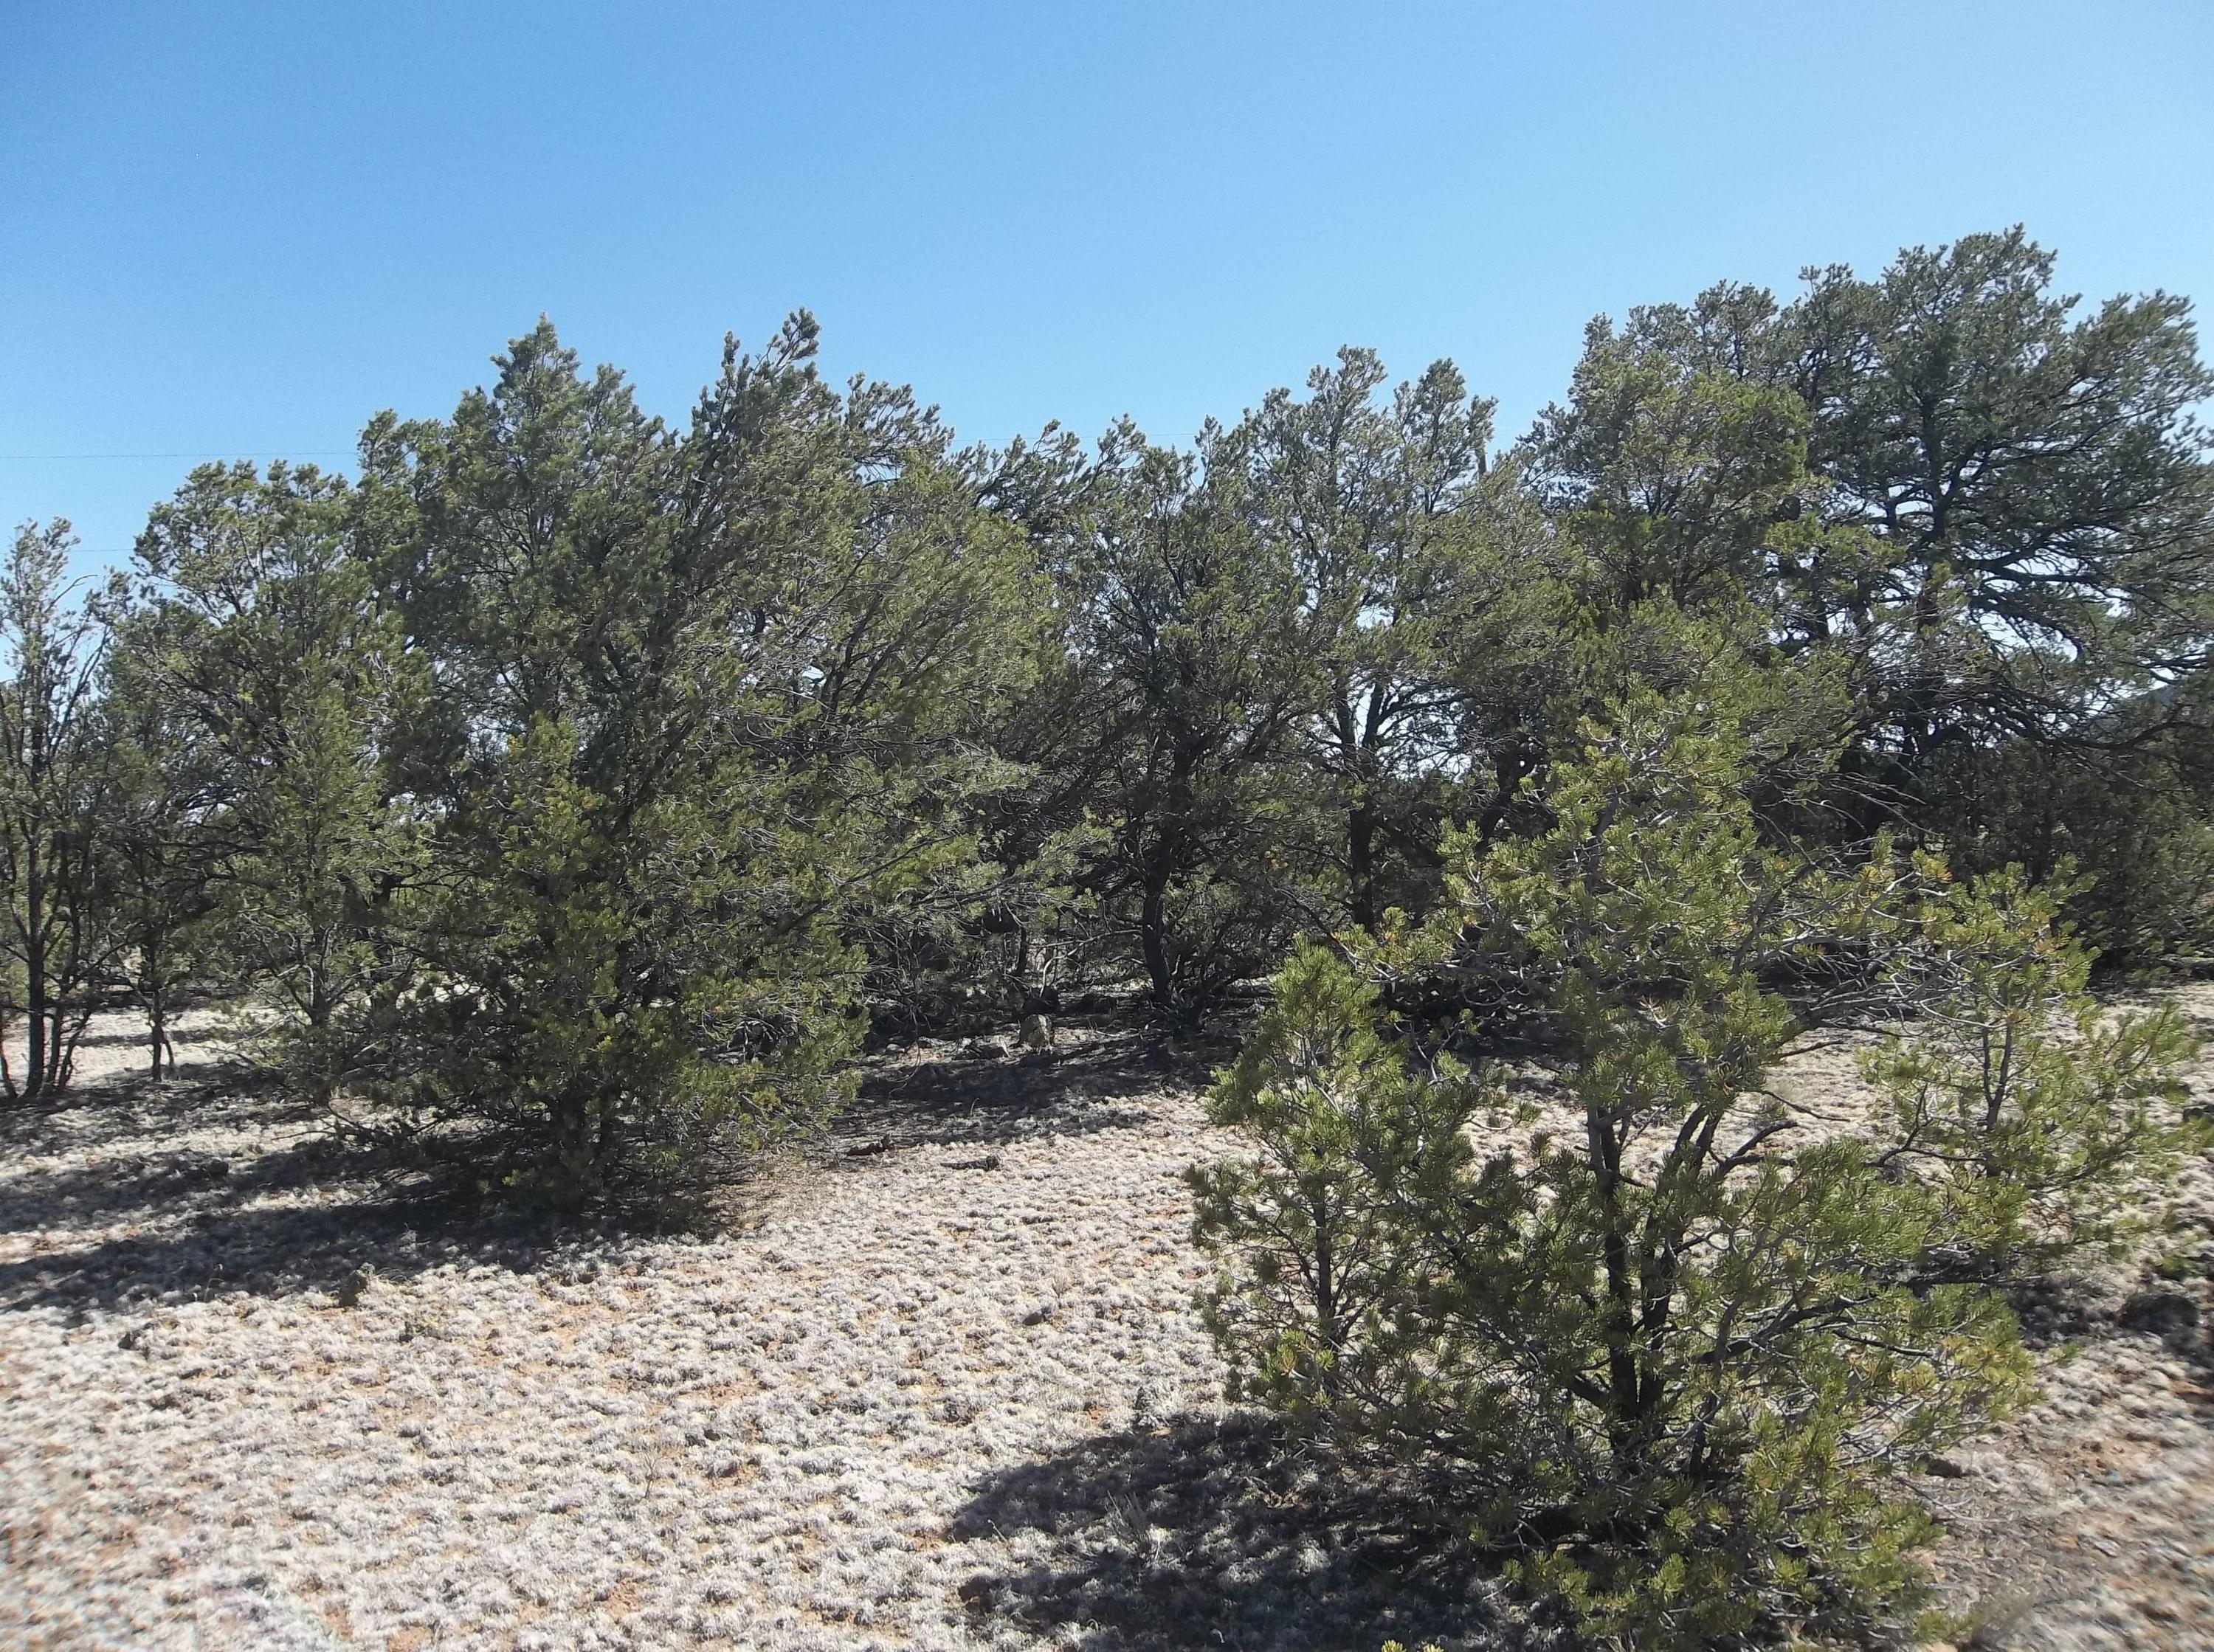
950, 1393
907, 1404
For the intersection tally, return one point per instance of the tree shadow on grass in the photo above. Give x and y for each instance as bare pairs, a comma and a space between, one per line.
280, 1249
1096, 1078
136, 1146
215, 1183
1206, 1534
135, 1038
125, 1109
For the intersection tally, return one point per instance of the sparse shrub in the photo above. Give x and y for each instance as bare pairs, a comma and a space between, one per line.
1350, 1130
59, 933
2041, 1119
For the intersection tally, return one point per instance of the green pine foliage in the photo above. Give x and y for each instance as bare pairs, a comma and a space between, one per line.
2040, 1118
60, 930
257, 626
1669, 1345
164, 780
1990, 504
713, 711
1185, 626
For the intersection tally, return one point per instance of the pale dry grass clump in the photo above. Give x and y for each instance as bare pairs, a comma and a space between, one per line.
949, 1394
946, 1390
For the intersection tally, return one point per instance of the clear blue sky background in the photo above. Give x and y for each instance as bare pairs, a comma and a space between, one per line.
237, 230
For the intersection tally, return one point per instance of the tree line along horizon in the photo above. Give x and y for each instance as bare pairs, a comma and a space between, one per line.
564, 796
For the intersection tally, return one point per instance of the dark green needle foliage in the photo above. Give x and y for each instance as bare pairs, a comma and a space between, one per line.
59, 929
1184, 633
704, 703
1427, 610
259, 657
1987, 501
547, 785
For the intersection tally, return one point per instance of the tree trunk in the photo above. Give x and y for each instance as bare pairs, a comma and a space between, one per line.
1326, 1326
157, 1025
1360, 862
1160, 867
603, 1151
572, 1145
34, 969
63, 1046
1153, 936
1623, 1408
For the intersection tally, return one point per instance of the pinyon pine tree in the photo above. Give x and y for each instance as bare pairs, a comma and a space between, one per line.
1671, 1346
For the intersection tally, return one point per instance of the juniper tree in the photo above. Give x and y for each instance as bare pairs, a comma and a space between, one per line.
258, 624
1422, 601
166, 783
1187, 634
1676, 477
705, 704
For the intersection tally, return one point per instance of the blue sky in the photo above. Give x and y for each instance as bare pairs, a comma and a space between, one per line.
239, 229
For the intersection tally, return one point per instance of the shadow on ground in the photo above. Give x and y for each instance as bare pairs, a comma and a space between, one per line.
1206, 1534
219, 1183
141, 1149
2069, 1309
1096, 1078
145, 1190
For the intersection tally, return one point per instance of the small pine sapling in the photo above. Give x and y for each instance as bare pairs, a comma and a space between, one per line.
2040, 1118
1346, 1127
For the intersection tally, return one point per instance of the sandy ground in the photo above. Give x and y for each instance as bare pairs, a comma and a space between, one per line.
950, 1393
